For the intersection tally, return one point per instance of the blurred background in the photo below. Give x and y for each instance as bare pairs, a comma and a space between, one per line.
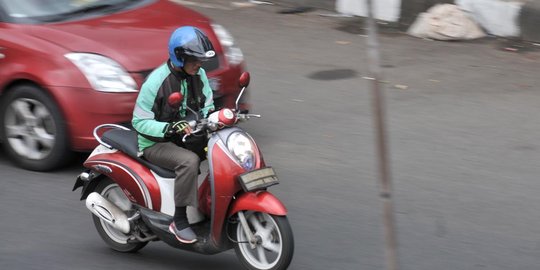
461, 87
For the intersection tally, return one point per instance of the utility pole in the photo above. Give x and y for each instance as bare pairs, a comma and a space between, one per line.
374, 67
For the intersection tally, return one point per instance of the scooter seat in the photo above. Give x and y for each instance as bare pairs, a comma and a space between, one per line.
126, 141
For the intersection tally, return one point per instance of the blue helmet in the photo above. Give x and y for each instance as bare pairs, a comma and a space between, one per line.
189, 41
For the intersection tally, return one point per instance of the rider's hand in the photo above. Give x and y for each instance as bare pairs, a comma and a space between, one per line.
180, 127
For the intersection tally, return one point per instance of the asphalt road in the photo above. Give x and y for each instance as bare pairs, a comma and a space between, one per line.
464, 143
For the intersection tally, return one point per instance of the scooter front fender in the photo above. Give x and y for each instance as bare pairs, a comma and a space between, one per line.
260, 201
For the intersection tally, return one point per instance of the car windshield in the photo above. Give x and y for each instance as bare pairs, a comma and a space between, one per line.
55, 10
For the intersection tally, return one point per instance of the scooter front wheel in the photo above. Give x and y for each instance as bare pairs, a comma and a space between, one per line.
275, 244
113, 237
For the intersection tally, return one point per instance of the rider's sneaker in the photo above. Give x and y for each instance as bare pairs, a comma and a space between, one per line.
186, 236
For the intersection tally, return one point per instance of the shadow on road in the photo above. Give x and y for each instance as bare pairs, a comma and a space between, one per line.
75, 162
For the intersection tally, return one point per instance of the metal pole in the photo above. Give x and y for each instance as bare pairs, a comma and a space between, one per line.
381, 140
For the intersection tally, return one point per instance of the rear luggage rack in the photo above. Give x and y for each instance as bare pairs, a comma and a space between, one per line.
107, 126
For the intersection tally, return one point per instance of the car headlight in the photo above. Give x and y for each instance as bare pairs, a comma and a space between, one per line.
103, 74
233, 54
243, 149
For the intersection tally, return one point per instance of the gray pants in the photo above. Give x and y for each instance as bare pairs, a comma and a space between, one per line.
184, 163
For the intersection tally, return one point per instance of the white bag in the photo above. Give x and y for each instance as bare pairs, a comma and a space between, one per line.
445, 22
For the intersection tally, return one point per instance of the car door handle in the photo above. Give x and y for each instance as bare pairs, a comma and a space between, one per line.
2, 56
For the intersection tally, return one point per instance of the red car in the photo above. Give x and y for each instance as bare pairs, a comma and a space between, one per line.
67, 66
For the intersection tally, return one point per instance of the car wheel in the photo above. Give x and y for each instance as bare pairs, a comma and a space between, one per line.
33, 129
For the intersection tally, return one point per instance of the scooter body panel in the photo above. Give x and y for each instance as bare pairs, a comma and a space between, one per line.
223, 180
261, 201
136, 180
223, 186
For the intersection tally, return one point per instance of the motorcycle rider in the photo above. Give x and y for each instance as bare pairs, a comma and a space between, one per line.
161, 123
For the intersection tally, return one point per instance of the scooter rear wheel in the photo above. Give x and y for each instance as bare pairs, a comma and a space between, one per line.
275, 247
113, 237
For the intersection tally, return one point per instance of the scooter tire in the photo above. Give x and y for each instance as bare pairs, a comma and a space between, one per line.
282, 231
112, 237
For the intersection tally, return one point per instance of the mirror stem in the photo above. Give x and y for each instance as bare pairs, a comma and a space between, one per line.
238, 98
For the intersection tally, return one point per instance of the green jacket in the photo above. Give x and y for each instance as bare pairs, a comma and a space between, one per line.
152, 114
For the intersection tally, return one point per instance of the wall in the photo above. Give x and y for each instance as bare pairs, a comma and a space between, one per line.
411, 8
387, 10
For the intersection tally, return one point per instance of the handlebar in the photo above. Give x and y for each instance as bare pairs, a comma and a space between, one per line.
243, 116
204, 124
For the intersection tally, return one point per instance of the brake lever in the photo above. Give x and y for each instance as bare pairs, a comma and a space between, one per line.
184, 138
193, 133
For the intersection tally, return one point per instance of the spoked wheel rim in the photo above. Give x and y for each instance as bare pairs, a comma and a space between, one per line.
30, 128
269, 249
115, 195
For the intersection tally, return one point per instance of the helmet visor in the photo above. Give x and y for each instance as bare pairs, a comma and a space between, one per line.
193, 57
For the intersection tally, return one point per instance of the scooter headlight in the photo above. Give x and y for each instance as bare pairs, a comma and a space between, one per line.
243, 149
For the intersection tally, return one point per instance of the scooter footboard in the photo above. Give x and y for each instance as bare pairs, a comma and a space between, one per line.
260, 201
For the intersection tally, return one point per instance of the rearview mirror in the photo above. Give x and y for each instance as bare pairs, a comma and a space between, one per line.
243, 81
175, 100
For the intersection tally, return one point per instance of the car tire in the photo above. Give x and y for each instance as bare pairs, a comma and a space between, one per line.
33, 129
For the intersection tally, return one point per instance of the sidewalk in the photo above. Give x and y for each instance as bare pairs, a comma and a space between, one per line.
505, 18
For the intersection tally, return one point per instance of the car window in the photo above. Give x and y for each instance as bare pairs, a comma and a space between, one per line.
55, 8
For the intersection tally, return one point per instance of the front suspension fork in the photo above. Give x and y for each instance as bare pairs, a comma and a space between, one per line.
251, 237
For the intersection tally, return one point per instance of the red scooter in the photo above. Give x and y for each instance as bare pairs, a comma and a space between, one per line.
132, 200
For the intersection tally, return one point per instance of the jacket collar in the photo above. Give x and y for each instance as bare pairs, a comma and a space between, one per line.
180, 74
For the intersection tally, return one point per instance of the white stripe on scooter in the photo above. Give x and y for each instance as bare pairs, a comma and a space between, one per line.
166, 189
